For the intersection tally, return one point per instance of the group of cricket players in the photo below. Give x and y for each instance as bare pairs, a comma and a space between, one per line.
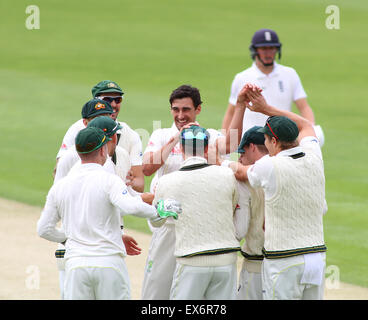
206, 211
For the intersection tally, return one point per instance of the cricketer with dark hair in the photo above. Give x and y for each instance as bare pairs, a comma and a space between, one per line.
163, 155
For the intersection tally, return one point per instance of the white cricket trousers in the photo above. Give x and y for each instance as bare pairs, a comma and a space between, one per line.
96, 278
160, 264
198, 283
250, 281
295, 278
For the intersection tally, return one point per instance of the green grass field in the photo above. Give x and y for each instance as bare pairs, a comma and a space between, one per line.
150, 48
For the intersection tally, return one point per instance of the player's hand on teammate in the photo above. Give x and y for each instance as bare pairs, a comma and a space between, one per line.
130, 179
214, 154
131, 245
176, 137
168, 208
147, 197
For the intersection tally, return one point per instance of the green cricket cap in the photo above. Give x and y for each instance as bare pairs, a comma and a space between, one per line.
96, 107
106, 86
106, 124
90, 139
251, 136
280, 127
196, 134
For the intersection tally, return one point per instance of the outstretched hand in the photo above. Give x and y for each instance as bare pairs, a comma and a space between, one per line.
147, 197
257, 102
246, 94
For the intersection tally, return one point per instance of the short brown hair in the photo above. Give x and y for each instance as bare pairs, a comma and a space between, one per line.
186, 91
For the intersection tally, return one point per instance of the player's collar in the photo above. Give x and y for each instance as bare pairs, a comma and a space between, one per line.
90, 166
260, 74
193, 161
290, 152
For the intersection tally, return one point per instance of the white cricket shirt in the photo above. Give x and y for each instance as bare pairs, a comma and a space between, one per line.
129, 140
90, 203
71, 161
208, 197
262, 173
280, 88
159, 138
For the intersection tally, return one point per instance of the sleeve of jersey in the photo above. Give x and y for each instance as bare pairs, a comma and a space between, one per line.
159, 194
298, 92
126, 203
154, 142
123, 163
242, 214
135, 153
46, 225
234, 91
68, 141
64, 165
259, 173
236, 192
311, 144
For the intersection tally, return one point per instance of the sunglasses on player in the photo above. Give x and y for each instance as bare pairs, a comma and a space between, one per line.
111, 99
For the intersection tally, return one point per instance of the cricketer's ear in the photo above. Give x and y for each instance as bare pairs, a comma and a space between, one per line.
198, 110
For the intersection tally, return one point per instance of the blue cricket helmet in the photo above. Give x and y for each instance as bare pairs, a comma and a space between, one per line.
264, 38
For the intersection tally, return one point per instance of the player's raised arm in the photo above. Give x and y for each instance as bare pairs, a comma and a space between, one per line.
259, 104
230, 143
154, 160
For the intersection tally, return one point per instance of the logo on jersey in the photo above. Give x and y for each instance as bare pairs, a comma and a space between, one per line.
281, 86
149, 265
99, 106
125, 191
176, 150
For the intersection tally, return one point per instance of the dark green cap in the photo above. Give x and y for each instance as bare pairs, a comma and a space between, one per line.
195, 134
90, 139
106, 124
280, 127
251, 136
95, 107
106, 86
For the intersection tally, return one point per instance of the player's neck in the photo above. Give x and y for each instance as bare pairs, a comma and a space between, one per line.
264, 69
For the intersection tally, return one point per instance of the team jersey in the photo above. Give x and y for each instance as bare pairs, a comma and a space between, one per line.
129, 140
280, 89
262, 173
90, 203
159, 138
